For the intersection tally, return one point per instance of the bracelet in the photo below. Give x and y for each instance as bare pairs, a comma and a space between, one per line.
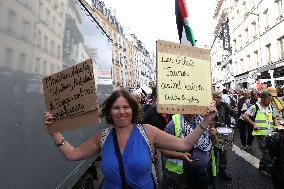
200, 125
62, 142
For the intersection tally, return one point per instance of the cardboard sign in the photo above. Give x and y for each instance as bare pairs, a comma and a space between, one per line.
70, 95
183, 79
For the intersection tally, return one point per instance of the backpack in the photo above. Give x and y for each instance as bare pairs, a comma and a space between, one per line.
256, 109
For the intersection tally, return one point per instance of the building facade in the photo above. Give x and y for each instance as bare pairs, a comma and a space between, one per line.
256, 38
131, 61
32, 35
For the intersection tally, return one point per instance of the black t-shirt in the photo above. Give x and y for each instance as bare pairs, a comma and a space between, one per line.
151, 116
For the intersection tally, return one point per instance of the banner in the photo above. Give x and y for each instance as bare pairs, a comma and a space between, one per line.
183, 78
70, 95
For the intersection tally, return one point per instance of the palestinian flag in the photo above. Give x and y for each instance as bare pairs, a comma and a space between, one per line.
182, 20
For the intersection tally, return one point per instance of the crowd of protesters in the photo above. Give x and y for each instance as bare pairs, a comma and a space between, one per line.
236, 109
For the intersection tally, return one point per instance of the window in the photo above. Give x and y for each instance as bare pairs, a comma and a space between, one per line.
249, 66
255, 58
28, 3
240, 41
53, 24
244, 8
265, 18
39, 38
235, 45
246, 36
45, 43
52, 69
52, 48
37, 66
281, 47
242, 65
58, 51
25, 30
40, 10
47, 16
268, 53
254, 30
22, 61
11, 21
278, 8
8, 57
44, 68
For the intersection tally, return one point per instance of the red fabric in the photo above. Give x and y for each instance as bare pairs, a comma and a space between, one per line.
182, 9
258, 85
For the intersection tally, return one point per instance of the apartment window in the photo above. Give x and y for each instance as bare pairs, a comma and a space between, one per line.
45, 43
37, 65
40, 10
44, 68
242, 65
278, 8
27, 3
249, 66
52, 69
8, 57
25, 30
52, 48
11, 21
238, 15
22, 61
244, 8
58, 51
39, 38
53, 24
47, 16
240, 41
268, 53
246, 36
55, 4
254, 30
255, 58
281, 47
265, 18
235, 45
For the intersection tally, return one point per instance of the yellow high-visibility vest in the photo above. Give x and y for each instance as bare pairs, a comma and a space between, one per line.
263, 121
176, 165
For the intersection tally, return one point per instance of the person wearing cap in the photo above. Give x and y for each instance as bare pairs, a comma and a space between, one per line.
263, 118
277, 103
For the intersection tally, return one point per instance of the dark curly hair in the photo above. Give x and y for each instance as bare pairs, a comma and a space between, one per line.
135, 106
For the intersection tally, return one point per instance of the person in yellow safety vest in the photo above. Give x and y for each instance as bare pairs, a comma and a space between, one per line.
184, 169
263, 118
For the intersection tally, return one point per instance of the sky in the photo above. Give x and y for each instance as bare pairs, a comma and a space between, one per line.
151, 20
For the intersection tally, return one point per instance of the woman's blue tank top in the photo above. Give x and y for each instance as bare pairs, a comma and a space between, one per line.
136, 161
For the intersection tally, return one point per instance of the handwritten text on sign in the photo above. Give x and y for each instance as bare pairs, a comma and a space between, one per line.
71, 92
183, 80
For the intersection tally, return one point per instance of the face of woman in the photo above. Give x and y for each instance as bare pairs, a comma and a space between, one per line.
121, 112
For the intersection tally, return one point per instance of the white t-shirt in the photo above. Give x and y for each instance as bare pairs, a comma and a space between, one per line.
265, 110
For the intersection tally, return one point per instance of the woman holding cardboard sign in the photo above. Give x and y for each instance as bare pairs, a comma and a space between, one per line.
126, 146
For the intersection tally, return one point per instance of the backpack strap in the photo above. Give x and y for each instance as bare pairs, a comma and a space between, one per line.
106, 132
143, 133
256, 110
